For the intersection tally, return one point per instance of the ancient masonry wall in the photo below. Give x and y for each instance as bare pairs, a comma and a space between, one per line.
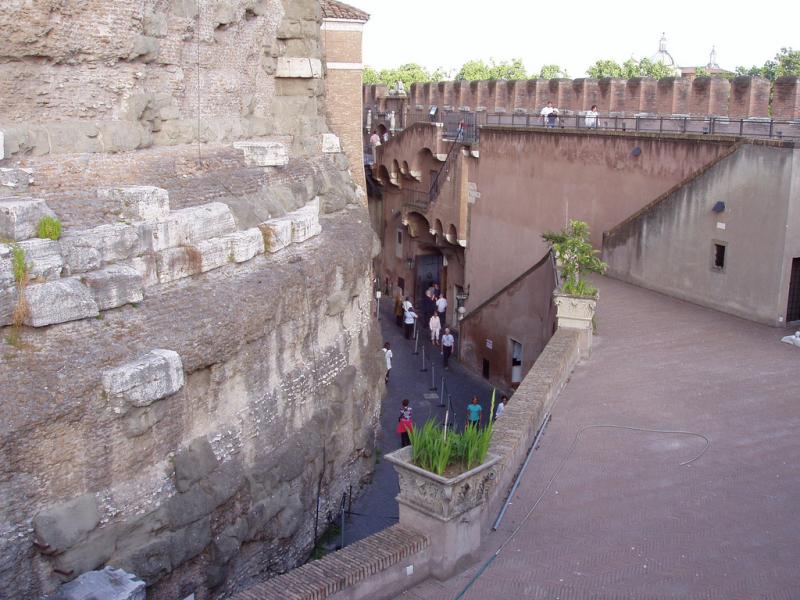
740, 98
198, 368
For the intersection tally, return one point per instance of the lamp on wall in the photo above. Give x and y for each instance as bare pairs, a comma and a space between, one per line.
461, 298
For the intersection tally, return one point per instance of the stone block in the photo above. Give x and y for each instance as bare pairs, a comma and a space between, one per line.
194, 462
244, 245
60, 527
15, 179
89, 249
43, 258
298, 67
263, 154
58, 301
330, 143
151, 377
277, 233
108, 584
305, 221
6, 270
214, 253
176, 263
114, 286
19, 217
139, 202
187, 226
8, 302
147, 268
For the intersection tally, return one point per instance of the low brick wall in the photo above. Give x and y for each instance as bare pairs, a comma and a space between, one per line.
383, 565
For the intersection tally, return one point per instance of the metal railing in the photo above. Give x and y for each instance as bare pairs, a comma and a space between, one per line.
472, 121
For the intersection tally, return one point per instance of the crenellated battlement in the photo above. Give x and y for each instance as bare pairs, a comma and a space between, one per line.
739, 98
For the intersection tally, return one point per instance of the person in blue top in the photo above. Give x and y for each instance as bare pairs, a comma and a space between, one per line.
474, 412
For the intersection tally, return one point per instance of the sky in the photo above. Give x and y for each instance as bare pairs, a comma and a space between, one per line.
447, 33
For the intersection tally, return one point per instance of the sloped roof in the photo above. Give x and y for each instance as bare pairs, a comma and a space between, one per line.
332, 9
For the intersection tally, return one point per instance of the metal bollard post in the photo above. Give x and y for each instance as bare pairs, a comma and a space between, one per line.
424, 368
416, 342
433, 378
441, 394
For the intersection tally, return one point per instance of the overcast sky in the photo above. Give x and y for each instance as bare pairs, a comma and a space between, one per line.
447, 33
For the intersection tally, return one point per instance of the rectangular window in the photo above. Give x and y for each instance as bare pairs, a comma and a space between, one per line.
398, 248
719, 256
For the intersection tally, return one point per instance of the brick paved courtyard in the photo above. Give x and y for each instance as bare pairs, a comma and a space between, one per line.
623, 519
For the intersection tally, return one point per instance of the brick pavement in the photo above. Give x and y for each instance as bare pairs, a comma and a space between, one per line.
377, 507
622, 519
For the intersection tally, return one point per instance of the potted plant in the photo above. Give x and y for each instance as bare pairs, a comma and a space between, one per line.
576, 299
445, 479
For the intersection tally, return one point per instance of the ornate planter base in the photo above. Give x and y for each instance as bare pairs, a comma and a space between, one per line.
447, 511
577, 312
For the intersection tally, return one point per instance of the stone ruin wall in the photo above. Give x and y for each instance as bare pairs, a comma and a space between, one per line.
740, 98
200, 358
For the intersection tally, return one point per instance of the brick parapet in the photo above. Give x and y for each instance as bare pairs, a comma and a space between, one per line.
745, 97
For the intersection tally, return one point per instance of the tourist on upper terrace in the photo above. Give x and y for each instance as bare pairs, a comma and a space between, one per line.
591, 117
549, 115
374, 140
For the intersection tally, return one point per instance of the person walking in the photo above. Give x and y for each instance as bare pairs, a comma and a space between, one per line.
404, 423
398, 309
441, 308
474, 413
409, 317
447, 347
436, 327
387, 354
501, 406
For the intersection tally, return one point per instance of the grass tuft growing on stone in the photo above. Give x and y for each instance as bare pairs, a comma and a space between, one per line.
19, 267
49, 227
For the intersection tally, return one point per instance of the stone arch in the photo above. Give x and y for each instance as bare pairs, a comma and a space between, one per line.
452, 235
423, 157
404, 169
438, 229
417, 224
384, 176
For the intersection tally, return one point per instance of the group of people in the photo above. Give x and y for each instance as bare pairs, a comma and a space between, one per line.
434, 314
550, 116
474, 418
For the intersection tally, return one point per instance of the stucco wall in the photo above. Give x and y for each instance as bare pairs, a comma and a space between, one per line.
533, 181
669, 247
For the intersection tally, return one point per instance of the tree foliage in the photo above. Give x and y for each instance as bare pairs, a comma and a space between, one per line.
408, 73
629, 69
479, 70
552, 72
786, 63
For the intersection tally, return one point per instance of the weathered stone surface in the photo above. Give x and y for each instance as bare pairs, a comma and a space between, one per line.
42, 257
205, 495
140, 420
19, 217
62, 526
58, 301
8, 301
90, 249
114, 286
147, 268
15, 179
298, 68
108, 584
277, 233
139, 202
244, 245
214, 253
154, 376
305, 221
264, 154
176, 263
330, 143
6, 270
187, 226
194, 462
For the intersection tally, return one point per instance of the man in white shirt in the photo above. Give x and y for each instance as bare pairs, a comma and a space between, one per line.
408, 322
387, 354
447, 347
441, 308
549, 115
591, 117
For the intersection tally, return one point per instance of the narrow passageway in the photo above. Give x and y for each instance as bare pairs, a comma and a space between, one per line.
376, 508
623, 518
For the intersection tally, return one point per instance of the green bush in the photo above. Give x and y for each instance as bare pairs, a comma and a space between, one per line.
49, 227
576, 257
18, 264
434, 449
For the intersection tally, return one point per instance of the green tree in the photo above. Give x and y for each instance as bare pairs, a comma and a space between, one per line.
785, 63
605, 68
480, 70
370, 76
575, 257
629, 69
701, 72
408, 73
552, 72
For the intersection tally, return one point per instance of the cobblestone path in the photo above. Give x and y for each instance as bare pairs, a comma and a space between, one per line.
623, 519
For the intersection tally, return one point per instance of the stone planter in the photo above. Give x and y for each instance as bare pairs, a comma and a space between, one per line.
448, 511
576, 312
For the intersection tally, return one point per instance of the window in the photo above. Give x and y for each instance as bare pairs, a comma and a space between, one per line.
398, 248
719, 256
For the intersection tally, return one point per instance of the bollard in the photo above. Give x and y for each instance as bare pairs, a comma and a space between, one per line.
433, 378
416, 339
441, 393
424, 368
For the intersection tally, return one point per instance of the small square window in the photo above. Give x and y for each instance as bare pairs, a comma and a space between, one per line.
719, 257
